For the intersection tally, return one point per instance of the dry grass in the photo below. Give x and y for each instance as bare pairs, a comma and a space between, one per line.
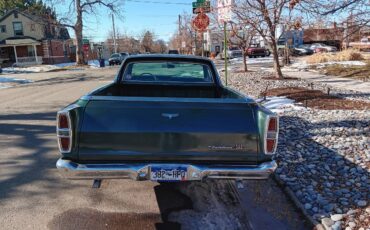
356, 72
345, 55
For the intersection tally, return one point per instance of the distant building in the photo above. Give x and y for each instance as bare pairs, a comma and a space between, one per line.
28, 39
331, 36
291, 38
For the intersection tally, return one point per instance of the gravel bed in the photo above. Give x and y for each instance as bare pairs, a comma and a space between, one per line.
252, 83
323, 155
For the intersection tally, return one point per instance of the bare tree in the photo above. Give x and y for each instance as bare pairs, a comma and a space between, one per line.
147, 41
160, 46
352, 15
185, 35
241, 36
77, 9
264, 16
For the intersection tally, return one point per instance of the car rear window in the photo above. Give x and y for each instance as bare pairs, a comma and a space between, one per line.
168, 71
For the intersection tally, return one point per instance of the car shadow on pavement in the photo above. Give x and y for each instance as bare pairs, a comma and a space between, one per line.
312, 163
26, 142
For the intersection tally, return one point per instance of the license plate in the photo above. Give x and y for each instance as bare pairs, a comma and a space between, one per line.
168, 173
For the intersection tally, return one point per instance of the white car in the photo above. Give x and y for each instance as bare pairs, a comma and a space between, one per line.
233, 52
316, 46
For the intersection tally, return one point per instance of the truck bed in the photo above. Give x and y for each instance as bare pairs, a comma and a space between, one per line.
173, 91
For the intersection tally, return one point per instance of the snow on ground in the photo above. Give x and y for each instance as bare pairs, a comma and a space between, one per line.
252, 60
6, 82
305, 65
30, 69
46, 68
11, 80
96, 63
279, 104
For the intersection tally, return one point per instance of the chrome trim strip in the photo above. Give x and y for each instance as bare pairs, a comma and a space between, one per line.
169, 99
72, 170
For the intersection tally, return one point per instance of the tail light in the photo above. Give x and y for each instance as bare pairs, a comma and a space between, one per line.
271, 135
64, 132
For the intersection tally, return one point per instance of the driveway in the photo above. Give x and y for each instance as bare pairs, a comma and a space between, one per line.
34, 196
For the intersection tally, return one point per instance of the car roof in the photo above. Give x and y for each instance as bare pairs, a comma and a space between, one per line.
167, 56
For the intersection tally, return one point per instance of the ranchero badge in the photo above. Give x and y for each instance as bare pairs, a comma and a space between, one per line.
225, 147
170, 115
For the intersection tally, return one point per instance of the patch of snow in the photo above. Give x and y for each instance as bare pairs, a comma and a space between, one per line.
279, 104
96, 63
6, 82
252, 60
13, 80
346, 63
305, 65
46, 68
30, 69
62, 65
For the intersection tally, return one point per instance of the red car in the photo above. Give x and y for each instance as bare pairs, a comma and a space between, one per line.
258, 52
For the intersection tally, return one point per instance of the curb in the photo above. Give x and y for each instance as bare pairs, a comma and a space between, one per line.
316, 225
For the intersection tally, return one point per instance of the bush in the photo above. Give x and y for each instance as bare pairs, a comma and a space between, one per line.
345, 55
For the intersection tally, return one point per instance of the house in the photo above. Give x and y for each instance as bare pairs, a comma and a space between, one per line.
27, 39
330, 36
291, 38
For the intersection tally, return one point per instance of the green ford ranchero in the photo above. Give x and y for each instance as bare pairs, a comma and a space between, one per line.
166, 118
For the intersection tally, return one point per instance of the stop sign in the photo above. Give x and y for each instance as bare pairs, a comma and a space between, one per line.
201, 22
85, 47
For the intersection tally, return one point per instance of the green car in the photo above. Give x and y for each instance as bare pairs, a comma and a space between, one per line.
166, 118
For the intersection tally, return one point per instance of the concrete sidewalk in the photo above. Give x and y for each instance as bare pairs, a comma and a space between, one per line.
335, 82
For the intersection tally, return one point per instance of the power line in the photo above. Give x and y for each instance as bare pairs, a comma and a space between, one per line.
156, 2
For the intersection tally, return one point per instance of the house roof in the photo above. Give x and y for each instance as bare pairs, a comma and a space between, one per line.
32, 17
18, 38
19, 42
63, 31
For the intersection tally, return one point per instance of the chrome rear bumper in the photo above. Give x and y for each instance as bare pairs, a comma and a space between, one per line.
72, 170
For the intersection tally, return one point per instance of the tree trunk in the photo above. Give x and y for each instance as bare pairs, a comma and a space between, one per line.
275, 54
78, 32
245, 61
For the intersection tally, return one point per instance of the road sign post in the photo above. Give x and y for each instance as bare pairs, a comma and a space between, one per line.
225, 50
224, 15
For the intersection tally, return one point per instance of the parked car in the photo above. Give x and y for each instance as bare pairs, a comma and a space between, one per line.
255, 51
320, 47
232, 52
363, 45
302, 50
117, 58
166, 118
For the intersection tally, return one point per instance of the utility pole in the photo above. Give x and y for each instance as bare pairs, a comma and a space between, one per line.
180, 38
225, 51
114, 35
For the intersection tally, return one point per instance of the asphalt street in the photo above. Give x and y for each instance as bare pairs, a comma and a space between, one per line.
34, 196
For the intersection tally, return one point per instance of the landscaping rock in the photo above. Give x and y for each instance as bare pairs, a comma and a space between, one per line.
323, 155
327, 222
336, 217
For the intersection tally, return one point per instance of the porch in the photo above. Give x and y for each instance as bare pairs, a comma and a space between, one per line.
20, 52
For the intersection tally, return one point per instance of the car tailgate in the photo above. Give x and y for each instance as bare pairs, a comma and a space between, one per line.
169, 130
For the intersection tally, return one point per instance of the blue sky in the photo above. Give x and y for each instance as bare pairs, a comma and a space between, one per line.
138, 15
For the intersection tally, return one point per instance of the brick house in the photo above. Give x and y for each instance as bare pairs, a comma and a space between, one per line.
28, 40
330, 36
